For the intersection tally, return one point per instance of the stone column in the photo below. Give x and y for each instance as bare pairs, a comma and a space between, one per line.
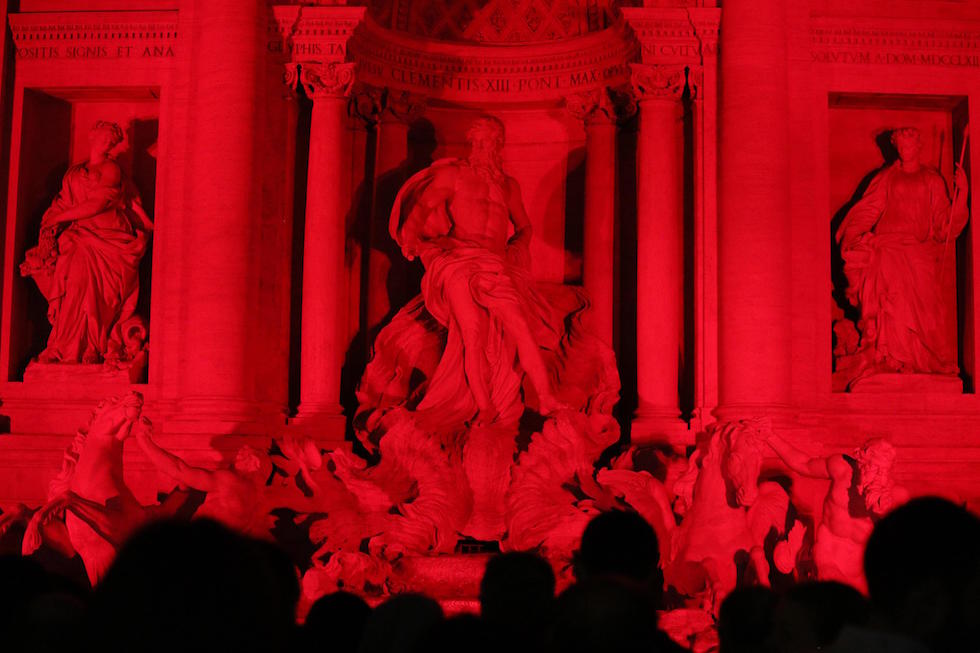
596, 110
659, 265
222, 201
324, 324
754, 214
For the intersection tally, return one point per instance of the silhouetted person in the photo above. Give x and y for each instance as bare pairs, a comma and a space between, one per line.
605, 614
745, 620
178, 586
517, 599
621, 548
922, 563
810, 616
398, 624
336, 618
463, 633
39, 611
624, 545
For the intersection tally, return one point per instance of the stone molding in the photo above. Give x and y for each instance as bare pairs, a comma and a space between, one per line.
84, 36
320, 34
479, 74
321, 80
604, 105
891, 42
658, 82
674, 35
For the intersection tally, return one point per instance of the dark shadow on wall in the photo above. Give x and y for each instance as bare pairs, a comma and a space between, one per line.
625, 290
301, 164
368, 225
686, 376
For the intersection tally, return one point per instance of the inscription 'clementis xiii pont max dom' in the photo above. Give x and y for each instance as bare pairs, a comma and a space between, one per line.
421, 280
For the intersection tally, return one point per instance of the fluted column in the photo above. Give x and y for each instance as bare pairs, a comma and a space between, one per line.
596, 110
221, 200
754, 213
659, 266
324, 324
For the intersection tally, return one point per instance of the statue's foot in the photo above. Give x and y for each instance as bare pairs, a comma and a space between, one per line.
91, 356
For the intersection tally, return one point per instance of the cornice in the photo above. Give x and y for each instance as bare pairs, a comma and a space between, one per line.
304, 33
94, 35
481, 73
895, 42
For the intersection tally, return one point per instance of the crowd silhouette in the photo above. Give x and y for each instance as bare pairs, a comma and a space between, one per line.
197, 586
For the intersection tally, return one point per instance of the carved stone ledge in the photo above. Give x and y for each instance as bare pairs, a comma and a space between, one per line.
304, 33
478, 74
658, 82
321, 80
895, 42
85, 36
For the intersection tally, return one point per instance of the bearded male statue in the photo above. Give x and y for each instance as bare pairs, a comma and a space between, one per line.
484, 351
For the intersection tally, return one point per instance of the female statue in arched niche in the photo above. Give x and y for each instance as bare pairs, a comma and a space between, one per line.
86, 263
898, 242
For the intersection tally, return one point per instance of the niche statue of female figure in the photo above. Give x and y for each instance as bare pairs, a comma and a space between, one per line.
86, 263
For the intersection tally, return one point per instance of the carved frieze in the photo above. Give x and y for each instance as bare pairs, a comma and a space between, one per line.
303, 33
81, 36
947, 44
476, 73
674, 35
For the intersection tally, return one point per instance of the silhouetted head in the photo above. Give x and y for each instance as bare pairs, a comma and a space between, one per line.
337, 618
517, 594
908, 143
604, 614
194, 586
398, 624
464, 633
621, 544
745, 620
810, 616
922, 564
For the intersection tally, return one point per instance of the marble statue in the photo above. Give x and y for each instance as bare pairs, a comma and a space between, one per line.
844, 525
484, 355
86, 263
98, 508
235, 496
726, 512
898, 246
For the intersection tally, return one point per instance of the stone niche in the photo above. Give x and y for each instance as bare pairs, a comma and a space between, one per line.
861, 149
54, 135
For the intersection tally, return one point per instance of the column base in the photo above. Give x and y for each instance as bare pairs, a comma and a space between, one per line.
660, 427
325, 423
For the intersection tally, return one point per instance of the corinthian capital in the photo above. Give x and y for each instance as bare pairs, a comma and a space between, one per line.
402, 106
658, 81
600, 105
321, 79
